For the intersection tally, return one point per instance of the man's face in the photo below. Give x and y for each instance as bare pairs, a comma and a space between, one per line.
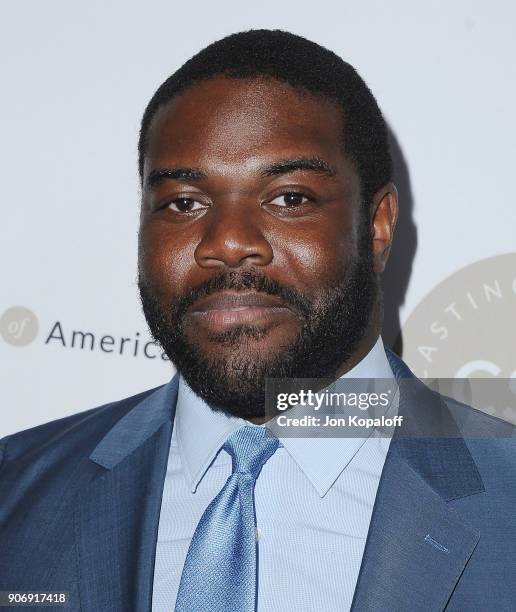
254, 250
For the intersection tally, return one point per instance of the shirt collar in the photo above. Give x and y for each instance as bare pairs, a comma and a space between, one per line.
323, 459
201, 431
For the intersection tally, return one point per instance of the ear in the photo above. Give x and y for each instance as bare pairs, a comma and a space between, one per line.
383, 222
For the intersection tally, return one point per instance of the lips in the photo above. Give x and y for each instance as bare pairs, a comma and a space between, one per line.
226, 309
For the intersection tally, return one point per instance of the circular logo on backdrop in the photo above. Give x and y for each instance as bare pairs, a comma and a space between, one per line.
465, 328
18, 326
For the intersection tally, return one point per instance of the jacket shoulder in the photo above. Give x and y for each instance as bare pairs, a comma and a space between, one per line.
475, 423
87, 426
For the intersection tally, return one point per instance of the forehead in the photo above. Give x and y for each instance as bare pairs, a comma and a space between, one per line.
233, 121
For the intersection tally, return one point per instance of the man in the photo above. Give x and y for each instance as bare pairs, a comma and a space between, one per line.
267, 216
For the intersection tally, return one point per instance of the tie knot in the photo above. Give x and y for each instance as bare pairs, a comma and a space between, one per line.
250, 447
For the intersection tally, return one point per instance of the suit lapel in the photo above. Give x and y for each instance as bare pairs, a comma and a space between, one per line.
418, 546
118, 515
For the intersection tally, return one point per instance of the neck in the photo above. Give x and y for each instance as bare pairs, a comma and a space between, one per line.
365, 345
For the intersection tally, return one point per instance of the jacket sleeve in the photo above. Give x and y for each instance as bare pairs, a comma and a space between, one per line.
3, 445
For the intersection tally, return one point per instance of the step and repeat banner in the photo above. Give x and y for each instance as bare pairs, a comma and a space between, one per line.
75, 80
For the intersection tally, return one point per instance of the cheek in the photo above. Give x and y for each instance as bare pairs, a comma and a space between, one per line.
314, 255
164, 259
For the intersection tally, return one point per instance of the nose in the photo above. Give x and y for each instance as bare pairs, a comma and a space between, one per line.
232, 238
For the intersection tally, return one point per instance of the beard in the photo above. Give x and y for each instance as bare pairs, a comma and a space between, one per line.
332, 322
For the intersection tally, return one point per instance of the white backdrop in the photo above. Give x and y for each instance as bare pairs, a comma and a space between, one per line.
76, 77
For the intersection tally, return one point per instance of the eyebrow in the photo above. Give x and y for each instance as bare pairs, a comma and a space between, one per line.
313, 164
178, 174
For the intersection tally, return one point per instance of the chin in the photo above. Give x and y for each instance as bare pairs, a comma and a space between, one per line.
230, 375
252, 341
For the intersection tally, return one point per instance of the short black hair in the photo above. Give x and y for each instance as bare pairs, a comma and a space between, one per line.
304, 65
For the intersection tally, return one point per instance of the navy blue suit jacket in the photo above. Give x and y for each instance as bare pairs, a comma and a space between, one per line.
80, 501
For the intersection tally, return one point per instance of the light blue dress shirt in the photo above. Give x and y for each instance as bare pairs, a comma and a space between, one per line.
313, 499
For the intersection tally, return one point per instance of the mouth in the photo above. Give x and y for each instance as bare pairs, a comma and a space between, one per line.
227, 309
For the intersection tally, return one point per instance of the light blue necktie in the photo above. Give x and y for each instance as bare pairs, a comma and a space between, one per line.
219, 574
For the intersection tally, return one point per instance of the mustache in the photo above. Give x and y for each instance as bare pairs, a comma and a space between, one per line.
240, 281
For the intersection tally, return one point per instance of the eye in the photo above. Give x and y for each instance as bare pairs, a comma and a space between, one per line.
186, 205
290, 199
